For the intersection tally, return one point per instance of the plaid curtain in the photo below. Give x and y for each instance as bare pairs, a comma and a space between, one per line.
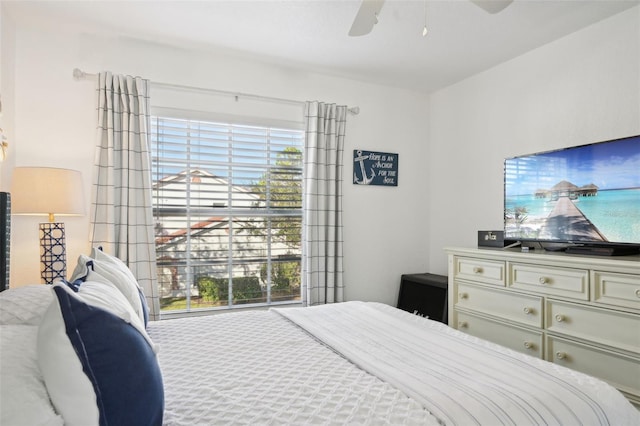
322, 209
121, 201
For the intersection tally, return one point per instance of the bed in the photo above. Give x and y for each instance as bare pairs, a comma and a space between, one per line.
83, 353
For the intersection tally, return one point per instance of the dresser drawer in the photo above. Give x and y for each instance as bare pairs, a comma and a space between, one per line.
485, 271
566, 282
608, 327
521, 308
516, 338
621, 371
616, 289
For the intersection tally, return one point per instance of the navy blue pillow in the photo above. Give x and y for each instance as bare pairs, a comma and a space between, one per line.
145, 308
119, 362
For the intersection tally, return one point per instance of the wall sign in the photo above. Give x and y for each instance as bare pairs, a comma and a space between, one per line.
375, 168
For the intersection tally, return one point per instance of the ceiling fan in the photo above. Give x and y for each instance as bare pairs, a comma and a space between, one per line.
369, 10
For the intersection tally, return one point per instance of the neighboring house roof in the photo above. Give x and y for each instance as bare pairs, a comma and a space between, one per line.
203, 190
206, 193
212, 222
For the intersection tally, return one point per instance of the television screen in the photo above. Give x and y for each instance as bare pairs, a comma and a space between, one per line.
583, 194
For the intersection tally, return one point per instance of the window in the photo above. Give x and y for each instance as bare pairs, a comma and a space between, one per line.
228, 213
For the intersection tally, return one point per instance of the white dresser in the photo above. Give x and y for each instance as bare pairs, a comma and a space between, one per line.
582, 312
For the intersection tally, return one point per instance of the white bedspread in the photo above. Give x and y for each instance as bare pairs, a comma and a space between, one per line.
258, 368
460, 379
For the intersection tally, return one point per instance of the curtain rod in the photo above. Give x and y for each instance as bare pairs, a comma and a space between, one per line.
78, 74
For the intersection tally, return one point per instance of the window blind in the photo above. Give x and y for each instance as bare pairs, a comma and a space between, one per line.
228, 213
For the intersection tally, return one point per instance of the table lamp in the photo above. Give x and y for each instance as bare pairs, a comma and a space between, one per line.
48, 191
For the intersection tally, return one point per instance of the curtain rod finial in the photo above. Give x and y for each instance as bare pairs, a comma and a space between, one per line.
354, 110
78, 74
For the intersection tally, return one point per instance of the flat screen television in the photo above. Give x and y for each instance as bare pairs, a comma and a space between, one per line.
583, 199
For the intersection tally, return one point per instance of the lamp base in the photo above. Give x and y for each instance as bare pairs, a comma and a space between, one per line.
53, 253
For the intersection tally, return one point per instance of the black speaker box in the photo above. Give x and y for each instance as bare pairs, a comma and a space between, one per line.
493, 239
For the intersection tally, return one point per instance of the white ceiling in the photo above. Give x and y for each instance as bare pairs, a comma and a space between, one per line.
462, 40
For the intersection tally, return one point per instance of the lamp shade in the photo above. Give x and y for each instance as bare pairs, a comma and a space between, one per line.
47, 191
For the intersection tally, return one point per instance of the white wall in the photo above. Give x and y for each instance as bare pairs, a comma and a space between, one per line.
385, 228
580, 89
7, 58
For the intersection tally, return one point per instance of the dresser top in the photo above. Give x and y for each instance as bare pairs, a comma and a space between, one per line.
627, 264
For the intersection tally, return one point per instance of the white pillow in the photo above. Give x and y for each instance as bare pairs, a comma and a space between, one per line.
101, 256
23, 396
98, 363
101, 270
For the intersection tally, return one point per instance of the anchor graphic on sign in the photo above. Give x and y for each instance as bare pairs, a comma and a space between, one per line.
365, 180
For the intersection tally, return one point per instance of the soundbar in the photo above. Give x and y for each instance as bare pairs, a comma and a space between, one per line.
602, 250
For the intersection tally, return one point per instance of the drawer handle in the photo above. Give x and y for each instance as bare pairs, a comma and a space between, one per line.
638, 293
561, 355
463, 295
529, 345
543, 280
463, 324
528, 311
560, 318
477, 270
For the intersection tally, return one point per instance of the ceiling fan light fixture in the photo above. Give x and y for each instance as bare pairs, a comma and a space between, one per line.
492, 6
424, 31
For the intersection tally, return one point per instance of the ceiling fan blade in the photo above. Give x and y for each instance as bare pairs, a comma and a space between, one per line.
492, 6
366, 17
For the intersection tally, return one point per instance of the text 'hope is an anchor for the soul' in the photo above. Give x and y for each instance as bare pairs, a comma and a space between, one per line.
375, 168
